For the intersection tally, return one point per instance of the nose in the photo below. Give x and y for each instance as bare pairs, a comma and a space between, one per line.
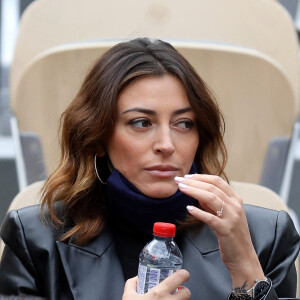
163, 142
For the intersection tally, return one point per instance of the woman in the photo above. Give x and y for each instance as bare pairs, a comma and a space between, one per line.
143, 142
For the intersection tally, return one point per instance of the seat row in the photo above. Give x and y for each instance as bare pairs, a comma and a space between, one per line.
246, 51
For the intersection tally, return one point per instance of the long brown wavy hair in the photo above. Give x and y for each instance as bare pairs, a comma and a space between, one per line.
89, 120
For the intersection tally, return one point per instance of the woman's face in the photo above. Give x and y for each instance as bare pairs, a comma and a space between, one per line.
155, 136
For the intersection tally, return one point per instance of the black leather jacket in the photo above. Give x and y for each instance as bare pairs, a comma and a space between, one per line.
34, 262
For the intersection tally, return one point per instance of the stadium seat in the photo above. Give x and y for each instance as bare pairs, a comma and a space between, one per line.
252, 90
262, 25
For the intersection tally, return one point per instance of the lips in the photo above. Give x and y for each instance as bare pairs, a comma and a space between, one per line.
163, 171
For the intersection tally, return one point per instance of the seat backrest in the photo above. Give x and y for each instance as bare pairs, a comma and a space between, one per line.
29, 196
261, 196
253, 92
263, 25
258, 195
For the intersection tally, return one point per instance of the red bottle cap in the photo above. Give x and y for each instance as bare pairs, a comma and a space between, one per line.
164, 229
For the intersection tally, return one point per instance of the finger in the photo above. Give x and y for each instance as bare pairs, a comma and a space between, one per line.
172, 282
182, 294
206, 186
208, 218
205, 207
217, 181
233, 203
130, 285
206, 199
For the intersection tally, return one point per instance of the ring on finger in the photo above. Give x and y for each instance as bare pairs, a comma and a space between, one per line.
220, 212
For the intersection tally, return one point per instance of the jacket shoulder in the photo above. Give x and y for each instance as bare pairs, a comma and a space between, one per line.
30, 222
273, 233
266, 224
267, 219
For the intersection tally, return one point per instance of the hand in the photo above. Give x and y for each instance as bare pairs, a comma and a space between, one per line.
163, 291
236, 248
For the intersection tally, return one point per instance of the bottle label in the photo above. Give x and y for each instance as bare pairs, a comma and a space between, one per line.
141, 279
154, 275
150, 277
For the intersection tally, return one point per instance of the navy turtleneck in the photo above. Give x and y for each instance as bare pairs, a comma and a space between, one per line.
132, 215
127, 203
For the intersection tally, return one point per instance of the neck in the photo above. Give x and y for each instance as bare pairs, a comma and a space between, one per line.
127, 204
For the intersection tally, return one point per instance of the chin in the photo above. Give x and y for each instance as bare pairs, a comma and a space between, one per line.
161, 192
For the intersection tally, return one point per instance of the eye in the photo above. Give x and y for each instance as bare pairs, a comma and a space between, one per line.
140, 123
185, 124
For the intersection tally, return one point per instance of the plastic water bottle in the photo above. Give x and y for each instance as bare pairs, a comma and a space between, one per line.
159, 258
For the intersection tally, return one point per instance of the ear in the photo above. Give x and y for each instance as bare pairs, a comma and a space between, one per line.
101, 151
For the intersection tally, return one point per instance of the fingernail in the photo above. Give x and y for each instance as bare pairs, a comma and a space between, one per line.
190, 208
178, 179
188, 176
182, 186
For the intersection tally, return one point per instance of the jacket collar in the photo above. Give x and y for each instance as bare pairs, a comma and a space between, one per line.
98, 245
94, 269
201, 257
205, 239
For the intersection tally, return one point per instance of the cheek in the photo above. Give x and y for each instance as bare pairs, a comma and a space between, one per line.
195, 145
123, 150
188, 148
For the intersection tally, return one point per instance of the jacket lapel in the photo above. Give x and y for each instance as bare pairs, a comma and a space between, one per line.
208, 274
93, 271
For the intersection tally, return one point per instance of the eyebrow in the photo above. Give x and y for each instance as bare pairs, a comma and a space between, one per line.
152, 112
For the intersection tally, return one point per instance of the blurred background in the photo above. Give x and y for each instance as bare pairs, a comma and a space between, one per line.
247, 51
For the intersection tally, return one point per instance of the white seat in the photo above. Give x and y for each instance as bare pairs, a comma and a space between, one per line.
258, 195
252, 90
28, 196
261, 196
263, 25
